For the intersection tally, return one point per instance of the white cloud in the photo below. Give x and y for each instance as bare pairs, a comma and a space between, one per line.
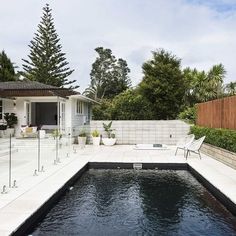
199, 32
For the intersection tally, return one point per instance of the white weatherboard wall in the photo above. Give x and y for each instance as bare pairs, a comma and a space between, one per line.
145, 131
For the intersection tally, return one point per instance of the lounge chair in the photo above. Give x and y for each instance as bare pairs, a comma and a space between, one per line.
195, 147
29, 132
184, 142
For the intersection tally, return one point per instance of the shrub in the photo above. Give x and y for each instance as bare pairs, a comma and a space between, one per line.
102, 111
189, 115
82, 133
223, 138
108, 129
131, 105
11, 119
95, 133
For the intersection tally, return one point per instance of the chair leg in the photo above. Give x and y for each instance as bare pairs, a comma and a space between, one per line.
199, 155
176, 151
187, 154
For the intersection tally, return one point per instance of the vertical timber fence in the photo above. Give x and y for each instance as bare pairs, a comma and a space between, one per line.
219, 113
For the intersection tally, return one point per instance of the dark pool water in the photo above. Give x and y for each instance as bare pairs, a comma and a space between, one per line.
129, 202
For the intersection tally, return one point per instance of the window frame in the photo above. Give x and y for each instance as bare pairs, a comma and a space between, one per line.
1, 112
79, 108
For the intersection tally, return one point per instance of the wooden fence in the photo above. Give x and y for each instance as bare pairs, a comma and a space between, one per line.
220, 113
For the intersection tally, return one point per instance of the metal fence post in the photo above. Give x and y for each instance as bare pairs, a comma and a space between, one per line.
10, 163
38, 151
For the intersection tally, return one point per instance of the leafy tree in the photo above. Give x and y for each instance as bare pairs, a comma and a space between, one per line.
109, 76
120, 80
46, 63
102, 111
163, 84
131, 105
7, 69
189, 115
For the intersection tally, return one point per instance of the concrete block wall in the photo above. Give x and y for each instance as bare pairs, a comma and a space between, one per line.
144, 131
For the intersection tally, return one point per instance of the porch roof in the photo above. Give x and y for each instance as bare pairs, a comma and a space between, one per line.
84, 98
32, 88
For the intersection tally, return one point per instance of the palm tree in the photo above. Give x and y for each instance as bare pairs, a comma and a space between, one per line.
215, 78
95, 90
230, 88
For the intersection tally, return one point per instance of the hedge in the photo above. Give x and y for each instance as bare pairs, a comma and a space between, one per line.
223, 138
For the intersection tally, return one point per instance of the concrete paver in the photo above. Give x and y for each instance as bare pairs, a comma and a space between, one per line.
19, 203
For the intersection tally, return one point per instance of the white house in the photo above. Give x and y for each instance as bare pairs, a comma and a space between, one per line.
45, 106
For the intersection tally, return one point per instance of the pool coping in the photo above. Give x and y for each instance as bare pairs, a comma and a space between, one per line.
39, 213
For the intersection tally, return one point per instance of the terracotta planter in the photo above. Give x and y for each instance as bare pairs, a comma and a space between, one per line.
109, 141
96, 141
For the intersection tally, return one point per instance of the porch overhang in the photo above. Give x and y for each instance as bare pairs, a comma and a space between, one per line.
84, 98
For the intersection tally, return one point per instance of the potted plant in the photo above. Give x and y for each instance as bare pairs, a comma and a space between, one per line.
56, 134
11, 120
3, 128
110, 140
96, 137
82, 138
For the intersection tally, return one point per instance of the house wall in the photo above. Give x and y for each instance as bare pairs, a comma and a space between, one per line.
79, 120
8, 106
145, 131
20, 109
20, 113
73, 121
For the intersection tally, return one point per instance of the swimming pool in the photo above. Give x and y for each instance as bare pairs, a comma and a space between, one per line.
137, 202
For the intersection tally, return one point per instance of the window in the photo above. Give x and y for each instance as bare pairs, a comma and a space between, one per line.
1, 110
79, 107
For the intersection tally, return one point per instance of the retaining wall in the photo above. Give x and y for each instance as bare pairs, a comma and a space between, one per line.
220, 154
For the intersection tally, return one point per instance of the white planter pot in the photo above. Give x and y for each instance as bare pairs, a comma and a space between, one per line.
42, 133
109, 141
3, 134
96, 141
82, 142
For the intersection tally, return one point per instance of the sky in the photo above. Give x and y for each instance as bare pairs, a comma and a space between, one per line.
200, 32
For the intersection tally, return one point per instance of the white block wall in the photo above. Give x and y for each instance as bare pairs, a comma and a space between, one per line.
145, 131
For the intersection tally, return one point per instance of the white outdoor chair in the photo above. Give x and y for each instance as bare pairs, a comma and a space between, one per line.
184, 142
195, 147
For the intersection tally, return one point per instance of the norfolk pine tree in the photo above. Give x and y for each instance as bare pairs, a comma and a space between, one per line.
7, 69
46, 63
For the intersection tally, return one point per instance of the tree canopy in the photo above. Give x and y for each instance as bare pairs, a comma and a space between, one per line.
131, 105
166, 91
163, 84
109, 76
46, 62
7, 69
203, 86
